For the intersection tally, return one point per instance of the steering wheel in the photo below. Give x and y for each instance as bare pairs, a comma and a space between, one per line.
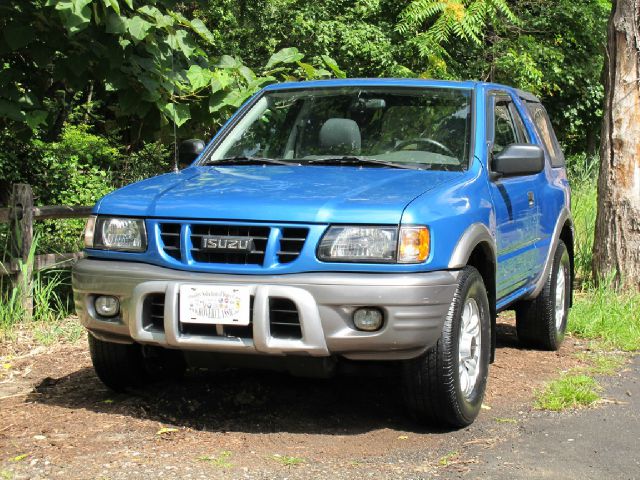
429, 141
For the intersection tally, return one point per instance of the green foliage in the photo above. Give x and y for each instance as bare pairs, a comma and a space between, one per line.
613, 319
447, 19
152, 159
149, 62
50, 302
72, 171
569, 391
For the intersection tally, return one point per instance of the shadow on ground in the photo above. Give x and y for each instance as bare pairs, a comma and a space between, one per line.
249, 401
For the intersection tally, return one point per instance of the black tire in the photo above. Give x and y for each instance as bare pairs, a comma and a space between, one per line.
536, 319
121, 366
432, 382
118, 366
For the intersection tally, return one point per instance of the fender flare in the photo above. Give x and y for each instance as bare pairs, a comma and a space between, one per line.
470, 239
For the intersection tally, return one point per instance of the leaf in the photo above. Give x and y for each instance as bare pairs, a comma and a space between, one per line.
220, 79
129, 3
333, 65
177, 113
198, 77
165, 430
308, 69
180, 41
138, 28
35, 118
114, 5
162, 21
76, 14
247, 74
116, 24
286, 55
201, 29
227, 61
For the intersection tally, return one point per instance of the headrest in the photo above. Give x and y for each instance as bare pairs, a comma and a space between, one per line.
340, 135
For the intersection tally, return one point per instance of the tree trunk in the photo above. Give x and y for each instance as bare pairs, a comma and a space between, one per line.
616, 249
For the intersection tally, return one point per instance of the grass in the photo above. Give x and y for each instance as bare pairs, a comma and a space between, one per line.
612, 321
221, 461
569, 391
584, 207
51, 304
609, 317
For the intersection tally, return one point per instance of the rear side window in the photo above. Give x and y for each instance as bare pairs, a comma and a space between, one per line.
544, 129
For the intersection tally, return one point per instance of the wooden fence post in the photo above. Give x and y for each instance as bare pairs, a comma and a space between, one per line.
21, 231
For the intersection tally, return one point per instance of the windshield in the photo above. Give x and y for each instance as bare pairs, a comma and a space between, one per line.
423, 128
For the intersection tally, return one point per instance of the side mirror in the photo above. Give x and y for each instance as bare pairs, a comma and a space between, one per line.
519, 159
189, 151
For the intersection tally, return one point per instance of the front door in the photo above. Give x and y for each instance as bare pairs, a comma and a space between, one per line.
515, 199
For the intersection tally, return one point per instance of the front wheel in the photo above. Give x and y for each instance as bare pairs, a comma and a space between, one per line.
445, 386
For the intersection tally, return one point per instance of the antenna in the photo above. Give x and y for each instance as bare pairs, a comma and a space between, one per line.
173, 117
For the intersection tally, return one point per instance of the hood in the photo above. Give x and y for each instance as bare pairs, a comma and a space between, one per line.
310, 194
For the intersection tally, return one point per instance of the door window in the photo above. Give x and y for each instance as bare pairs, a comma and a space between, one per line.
508, 127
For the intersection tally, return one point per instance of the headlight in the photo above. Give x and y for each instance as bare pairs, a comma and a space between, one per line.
113, 233
359, 244
374, 244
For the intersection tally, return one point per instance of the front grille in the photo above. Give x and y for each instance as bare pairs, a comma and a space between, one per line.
260, 236
153, 312
284, 319
288, 243
291, 243
170, 235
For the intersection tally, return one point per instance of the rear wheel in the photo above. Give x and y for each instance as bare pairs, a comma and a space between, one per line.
122, 366
542, 322
445, 386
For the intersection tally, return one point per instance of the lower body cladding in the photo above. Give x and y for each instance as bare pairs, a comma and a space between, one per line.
309, 314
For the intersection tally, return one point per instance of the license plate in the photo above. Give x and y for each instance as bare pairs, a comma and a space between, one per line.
214, 304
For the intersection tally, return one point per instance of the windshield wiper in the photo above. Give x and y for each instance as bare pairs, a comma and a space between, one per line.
246, 160
358, 160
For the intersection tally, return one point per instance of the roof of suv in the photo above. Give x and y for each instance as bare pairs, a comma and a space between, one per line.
397, 82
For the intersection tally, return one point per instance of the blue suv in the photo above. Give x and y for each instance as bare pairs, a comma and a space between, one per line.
335, 222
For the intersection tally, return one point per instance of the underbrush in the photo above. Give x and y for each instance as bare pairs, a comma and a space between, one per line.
605, 315
52, 302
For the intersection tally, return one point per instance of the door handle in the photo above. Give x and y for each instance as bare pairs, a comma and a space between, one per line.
532, 199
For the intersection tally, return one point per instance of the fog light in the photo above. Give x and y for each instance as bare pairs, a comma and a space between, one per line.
367, 319
106, 306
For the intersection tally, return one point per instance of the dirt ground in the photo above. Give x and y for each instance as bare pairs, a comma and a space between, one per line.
58, 421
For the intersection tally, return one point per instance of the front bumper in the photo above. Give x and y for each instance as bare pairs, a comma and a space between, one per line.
414, 305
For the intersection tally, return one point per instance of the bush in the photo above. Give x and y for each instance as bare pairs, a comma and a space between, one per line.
75, 170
